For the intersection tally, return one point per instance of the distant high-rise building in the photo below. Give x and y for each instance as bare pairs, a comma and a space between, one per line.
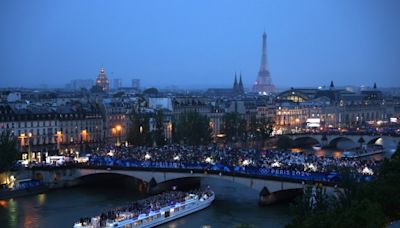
136, 83
79, 84
102, 80
117, 83
263, 84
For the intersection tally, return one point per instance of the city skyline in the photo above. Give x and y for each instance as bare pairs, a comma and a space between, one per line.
192, 45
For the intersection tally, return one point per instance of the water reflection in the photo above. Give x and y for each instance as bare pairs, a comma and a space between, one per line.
4, 203
41, 199
12, 213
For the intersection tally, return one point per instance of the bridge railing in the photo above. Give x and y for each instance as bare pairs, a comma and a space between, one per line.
261, 172
345, 133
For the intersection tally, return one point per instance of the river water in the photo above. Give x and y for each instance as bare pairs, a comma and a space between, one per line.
234, 205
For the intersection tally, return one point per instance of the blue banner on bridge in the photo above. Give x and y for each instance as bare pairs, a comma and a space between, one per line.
267, 172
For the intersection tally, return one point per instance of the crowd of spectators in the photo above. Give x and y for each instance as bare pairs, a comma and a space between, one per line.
179, 156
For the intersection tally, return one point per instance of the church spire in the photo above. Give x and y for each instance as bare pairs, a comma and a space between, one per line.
331, 85
241, 88
235, 84
374, 85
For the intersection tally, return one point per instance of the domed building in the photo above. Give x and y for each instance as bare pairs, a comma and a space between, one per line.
102, 80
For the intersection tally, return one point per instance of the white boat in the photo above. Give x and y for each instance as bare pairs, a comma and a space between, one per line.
317, 147
191, 204
349, 154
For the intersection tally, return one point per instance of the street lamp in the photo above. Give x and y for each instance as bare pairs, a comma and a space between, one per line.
22, 137
29, 146
59, 139
118, 129
84, 134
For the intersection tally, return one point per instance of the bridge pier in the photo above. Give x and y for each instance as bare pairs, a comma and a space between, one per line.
151, 185
268, 198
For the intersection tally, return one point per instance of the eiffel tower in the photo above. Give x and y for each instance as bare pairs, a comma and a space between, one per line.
263, 84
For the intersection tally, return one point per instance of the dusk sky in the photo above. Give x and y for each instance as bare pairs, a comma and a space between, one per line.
200, 43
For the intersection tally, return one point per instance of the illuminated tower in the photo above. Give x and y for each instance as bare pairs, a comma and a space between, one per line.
102, 80
263, 84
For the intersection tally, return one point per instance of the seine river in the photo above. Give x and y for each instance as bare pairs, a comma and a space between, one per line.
61, 208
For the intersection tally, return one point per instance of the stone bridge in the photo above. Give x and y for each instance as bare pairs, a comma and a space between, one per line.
63, 177
388, 142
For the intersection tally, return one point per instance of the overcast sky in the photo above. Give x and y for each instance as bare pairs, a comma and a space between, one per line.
200, 43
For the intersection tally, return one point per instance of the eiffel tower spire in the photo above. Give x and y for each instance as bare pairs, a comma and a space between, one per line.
263, 65
263, 83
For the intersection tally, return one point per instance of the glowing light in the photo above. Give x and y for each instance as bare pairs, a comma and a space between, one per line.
312, 167
118, 127
246, 162
176, 158
3, 203
85, 159
367, 171
209, 160
41, 199
25, 163
110, 153
147, 156
276, 164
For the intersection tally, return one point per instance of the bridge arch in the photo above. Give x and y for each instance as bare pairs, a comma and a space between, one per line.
306, 140
90, 173
108, 174
342, 142
375, 140
165, 176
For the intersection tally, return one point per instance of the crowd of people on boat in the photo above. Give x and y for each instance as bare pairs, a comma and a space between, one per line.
144, 207
178, 155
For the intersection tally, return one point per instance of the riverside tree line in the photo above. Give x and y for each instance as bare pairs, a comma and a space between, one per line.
193, 128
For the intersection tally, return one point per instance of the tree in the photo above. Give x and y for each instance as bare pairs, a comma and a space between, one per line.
264, 129
150, 91
364, 213
260, 129
371, 204
158, 135
234, 127
192, 129
8, 151
139, 133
